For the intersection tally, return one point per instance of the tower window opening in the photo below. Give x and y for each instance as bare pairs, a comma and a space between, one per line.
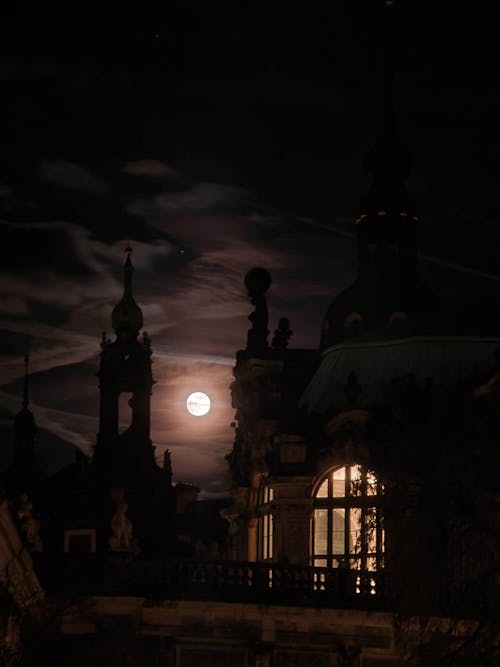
348, 530
125, 411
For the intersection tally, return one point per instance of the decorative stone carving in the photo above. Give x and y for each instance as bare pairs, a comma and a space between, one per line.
167, 464
282, 334
257, 282
122, 538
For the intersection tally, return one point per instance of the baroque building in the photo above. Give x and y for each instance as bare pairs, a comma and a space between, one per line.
363, 525
364, 467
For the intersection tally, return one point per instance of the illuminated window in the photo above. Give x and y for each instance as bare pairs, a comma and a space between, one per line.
347, 522
265, 530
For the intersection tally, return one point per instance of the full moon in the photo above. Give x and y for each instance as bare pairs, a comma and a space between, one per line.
198, 404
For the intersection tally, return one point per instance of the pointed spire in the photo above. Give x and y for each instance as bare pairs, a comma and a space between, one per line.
386, 281
128, 272
25, 402
388, 162
389, 107
24, 432
127, 316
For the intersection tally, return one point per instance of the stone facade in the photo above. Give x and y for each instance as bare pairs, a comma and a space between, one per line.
21, 594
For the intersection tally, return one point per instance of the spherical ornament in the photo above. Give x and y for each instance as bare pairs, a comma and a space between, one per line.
257, 281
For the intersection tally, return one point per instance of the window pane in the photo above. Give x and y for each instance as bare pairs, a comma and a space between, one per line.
323, 490
270, 537
354, 530
320, 531
347, 533
356, 481
338, 531
371, 484
371, 529
339, 483
355, 563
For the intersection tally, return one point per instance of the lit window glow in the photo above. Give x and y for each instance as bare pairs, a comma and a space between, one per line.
348, 529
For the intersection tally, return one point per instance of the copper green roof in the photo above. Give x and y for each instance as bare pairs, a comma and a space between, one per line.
447, 360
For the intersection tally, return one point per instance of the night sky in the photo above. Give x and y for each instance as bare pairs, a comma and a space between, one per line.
219, 136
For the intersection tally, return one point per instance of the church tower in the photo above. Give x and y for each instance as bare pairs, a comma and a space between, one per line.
123, 456
24, 474
386, 290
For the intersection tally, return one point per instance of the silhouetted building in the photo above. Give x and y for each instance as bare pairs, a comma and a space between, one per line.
120, 500
364, 518
24, 474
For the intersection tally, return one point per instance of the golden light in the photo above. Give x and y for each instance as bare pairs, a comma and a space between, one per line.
198, 404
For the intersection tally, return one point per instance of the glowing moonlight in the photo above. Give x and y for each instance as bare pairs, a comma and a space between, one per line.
198, 404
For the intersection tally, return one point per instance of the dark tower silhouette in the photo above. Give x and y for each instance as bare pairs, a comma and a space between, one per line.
24, 475
122, 500
386, 287
125, 368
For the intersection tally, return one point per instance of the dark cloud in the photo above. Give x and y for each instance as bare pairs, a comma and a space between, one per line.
72, 176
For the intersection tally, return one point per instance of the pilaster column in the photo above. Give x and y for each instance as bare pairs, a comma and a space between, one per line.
292, 520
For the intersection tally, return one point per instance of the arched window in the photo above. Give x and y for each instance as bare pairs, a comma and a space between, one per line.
265, 550
348, 526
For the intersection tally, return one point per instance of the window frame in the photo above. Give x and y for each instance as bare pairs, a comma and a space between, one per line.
265, 527
79, 532
370, 509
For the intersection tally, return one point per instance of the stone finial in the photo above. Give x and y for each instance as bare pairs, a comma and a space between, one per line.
146, 341
167, 464
257, 282
105, 340
282, 334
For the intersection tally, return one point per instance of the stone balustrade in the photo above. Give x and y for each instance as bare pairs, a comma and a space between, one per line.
224, 580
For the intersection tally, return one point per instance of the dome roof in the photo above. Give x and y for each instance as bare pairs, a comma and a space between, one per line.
446, 360
24, 421
126, 317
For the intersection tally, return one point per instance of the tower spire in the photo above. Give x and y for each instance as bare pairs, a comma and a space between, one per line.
126, 317
24, 464
128, 271
388, 162
25, 402
389, 120
386, 281
125, 368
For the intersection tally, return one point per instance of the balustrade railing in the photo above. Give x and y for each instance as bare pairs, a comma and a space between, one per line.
232, 580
